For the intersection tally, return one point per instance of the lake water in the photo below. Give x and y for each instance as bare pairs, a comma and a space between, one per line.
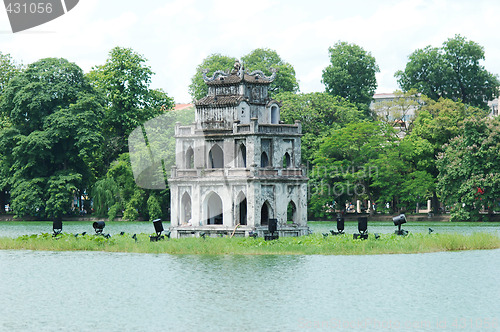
97, 291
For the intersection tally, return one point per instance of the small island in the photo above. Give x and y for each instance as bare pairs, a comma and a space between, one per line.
315, 244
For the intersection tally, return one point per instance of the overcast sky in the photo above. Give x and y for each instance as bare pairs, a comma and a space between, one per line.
176, 35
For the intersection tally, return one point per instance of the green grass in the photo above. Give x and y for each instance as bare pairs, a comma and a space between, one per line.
314, 244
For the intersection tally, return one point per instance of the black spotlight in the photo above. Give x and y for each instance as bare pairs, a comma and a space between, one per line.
362, 229
272, 228
340, 226
99, 226
57, 227
158, 229
398, 221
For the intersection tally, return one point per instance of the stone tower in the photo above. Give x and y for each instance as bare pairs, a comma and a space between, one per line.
237, 167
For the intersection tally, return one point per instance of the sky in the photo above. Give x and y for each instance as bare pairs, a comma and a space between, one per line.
176, 35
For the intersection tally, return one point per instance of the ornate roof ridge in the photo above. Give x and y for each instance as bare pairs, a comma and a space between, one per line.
238, 74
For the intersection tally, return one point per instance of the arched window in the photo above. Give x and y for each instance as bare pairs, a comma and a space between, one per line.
287, 161
264, 214
189, 161
241, 209
213, 209
185, 208
291, 213
242, 156
264, 160
275, 114
216, 157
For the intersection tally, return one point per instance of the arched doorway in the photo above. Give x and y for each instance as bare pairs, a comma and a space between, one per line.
241, 209
213, 209
291, 213
265, 213
216, 157
185, 208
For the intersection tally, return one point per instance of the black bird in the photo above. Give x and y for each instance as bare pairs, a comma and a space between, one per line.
325, 234
430, 230
134, 237
122, 233
84, 233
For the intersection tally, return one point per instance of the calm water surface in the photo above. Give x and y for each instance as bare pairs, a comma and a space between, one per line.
95, 291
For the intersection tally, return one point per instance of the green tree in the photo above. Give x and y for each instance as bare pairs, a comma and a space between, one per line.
346, 165
437, 122
54, 138
8, 69
453, 71
124, 82
154, 208
469, 169
318, 113
264, 59
214, 62
351, 74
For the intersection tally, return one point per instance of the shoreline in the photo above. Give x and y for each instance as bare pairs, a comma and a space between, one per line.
315, 244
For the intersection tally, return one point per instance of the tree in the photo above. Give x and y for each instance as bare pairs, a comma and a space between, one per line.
452, 71
124, 82
264, 59
198, 89
351, 74
54, 138
469, 169
436, 124
318, 113
346, 165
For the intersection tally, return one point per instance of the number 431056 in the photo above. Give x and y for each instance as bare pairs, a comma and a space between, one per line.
32, 8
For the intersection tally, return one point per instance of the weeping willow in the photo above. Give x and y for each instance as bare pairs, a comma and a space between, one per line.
106, 195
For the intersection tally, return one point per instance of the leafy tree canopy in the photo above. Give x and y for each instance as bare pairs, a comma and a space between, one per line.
453, 71
351, 73
124, 82
318, 113
54, 138
469, 169
264, 59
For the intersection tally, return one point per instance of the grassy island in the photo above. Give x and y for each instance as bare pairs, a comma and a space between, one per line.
315, 244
